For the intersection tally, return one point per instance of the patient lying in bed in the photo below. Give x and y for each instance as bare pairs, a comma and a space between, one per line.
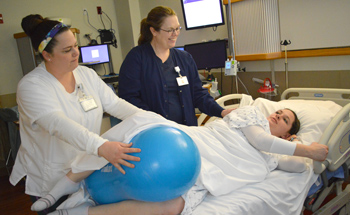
231, 151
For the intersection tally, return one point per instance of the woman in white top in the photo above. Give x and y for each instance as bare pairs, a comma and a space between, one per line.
61, 105
223, 144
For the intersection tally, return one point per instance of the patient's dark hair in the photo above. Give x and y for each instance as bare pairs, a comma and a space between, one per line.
37, 27
296, 124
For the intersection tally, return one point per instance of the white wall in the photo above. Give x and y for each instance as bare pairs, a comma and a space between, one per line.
186, 37
315, 23
332, 63
14, 10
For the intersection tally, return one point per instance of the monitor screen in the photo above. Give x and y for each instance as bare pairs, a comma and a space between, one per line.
202, 13
94, 54
208, 55
180, 48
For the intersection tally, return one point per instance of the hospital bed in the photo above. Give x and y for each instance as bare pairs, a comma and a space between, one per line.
324, 116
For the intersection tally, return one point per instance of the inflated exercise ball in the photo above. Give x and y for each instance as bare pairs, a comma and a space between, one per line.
169, 166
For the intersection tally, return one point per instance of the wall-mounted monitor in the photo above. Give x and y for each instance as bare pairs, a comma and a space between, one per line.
202, 13
180, 48
208, 55
95, 54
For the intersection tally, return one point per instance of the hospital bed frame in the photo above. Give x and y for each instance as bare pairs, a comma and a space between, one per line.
336, 137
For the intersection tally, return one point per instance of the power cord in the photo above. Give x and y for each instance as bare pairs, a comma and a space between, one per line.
107, 36
87, 15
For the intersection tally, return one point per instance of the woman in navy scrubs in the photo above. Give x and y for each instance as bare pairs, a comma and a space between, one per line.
157, 77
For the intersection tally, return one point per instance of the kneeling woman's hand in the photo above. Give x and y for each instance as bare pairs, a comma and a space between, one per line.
117, 154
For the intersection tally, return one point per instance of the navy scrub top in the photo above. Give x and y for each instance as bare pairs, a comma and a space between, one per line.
142, 82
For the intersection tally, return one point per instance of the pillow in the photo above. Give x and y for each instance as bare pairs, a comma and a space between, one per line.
314, 116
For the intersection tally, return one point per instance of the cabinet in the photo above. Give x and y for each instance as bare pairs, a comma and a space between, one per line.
28, 56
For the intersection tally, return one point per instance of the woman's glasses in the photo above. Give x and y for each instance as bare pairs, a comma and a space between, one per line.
173, 31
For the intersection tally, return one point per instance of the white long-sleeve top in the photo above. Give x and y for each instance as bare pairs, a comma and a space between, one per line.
54, 127
263, 141
255, 128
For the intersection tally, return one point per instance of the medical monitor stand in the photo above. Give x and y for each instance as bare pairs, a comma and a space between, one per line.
110, 62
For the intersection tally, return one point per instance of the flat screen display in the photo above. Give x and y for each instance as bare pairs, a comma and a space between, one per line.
228, 65
180, 48
95, 54
202, 13
208, 55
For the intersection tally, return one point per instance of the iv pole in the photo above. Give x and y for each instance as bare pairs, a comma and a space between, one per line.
230, 34
285, 43
230, 29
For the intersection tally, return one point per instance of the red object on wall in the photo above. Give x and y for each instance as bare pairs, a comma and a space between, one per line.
99, 10
1, 19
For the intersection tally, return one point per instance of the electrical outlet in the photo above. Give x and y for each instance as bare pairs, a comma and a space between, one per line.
99, 10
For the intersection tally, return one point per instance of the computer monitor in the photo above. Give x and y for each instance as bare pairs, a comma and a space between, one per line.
94, 54
180, 48
208, 55
202, 13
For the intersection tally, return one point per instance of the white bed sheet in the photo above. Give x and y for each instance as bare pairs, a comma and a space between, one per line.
280, 193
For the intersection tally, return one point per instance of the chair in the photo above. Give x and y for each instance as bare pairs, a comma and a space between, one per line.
10, 116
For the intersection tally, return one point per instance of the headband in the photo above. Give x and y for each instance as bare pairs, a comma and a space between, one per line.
50, 35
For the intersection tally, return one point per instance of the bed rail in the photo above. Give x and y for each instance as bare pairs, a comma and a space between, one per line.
339, 96
337, 134
337, 137
221, 101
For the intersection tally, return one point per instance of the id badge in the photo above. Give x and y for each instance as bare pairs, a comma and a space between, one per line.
181, 81
88, 103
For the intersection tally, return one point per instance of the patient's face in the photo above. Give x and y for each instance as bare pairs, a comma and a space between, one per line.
281, 122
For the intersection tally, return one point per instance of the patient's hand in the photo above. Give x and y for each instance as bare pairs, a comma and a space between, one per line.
116, 154
318, 151
292, 138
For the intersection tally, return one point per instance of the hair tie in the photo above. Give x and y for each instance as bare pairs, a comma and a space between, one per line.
50, 35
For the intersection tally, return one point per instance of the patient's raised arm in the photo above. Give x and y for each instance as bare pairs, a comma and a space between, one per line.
315, 151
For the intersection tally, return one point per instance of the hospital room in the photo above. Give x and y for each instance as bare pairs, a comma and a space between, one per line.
197, 79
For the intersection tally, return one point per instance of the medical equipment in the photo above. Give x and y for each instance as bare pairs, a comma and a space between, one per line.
214, 92
266, 87
267, 90
285, 44
231, 67
324, 118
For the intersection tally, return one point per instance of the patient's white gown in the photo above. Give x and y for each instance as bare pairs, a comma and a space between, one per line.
228, 160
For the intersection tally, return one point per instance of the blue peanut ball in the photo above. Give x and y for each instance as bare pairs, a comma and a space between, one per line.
169, 166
